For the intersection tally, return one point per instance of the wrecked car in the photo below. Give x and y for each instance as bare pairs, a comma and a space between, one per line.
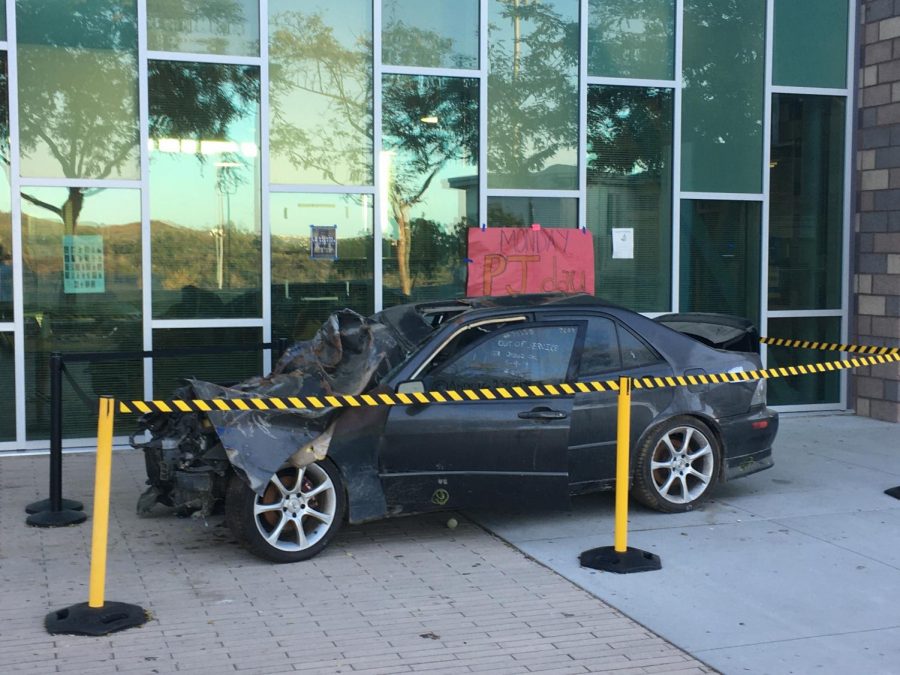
288, 479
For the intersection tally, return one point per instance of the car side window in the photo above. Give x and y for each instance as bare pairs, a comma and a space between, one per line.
526, 355
635, 354
600, 353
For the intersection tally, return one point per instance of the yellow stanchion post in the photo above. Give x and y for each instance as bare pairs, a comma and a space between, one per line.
619, 557
96, 616
623, 447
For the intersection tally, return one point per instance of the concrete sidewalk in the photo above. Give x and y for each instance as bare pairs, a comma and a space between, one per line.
398, 596
792, 570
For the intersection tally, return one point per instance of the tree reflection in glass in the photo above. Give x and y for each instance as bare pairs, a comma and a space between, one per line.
436, 34
204, 26
204, 190
320, 92
632, 38
629, 185
533, 94
430, 165
722, 109
78, 85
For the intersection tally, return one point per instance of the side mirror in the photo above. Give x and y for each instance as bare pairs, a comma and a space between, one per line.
411, 387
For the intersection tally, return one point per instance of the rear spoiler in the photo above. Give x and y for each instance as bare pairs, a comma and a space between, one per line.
721, 331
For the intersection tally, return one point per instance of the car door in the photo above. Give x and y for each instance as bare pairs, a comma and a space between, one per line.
498, 452
610, 350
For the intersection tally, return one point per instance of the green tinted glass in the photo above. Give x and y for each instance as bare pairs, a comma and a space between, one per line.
78, 89
631, 38
204, 26
8, 391
722, 144
6, 263
526, 211
430, 168
436, 34
3, 21
226, 369
810, 43
533, 94
320, 92
82, 292
806, 211
720, 249
806, 389
629, 194
204, 137
312, 279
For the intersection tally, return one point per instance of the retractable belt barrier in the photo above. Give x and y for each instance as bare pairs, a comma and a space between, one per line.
876, 356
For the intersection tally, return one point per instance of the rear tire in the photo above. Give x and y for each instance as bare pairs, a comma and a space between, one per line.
297, 514
676, 465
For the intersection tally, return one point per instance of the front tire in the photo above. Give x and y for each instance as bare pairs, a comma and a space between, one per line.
676, 465
294, 518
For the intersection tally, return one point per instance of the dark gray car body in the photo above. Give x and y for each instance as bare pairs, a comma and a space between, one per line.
519, 452
417, 458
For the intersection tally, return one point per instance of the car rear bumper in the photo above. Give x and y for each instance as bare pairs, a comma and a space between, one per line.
747, 441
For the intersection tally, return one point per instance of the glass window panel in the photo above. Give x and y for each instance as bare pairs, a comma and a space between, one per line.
307, 287
204, 190
631, 38
806, 211
230, 368
724, 55
533, 94
78, 89
8, 390
629, 185
805, 389
82, 292
6, 261
3, 21
810, 43
600, 352
525, 211
204, 26
429, 165
720, 249
635, 354
511, 358
320, 92
436, 34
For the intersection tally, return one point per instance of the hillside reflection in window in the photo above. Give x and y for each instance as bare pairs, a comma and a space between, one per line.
204, 190
509, 358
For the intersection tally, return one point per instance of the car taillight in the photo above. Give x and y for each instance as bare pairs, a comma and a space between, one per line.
759, 395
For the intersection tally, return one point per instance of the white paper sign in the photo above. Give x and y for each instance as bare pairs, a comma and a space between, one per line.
623, 242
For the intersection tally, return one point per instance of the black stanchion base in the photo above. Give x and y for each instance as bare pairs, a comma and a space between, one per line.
893, 492
81, 619
607, 559
56, 518
47, 505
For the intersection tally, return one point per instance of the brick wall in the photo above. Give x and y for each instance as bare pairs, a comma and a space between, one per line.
876, 319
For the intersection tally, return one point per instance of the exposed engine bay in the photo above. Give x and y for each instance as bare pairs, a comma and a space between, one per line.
190, 456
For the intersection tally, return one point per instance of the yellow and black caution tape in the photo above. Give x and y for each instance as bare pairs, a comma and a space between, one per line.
829, 346
497, 393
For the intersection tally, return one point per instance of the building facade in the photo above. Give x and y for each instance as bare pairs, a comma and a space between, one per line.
220, 172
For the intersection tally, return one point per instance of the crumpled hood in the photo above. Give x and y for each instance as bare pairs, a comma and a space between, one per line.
347, 355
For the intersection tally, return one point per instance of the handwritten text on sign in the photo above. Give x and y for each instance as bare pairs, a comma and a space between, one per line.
513, 260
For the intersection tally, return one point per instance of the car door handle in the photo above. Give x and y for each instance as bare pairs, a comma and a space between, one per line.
543, 414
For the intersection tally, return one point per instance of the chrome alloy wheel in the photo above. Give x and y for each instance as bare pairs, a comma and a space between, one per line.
296, 509
682, 465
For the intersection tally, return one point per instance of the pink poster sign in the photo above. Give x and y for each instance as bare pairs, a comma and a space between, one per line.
514, 260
